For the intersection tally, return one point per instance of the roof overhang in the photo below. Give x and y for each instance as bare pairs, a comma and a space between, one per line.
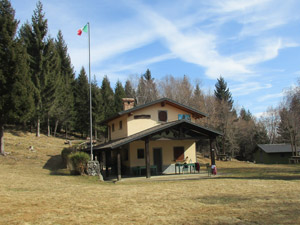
182, 128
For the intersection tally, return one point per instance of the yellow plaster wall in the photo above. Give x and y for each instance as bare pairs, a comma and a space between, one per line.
119, 133
167, 151
137, 125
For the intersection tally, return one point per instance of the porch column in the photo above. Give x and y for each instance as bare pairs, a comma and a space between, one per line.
212, 152
106, 164
103, 160
119, 164
147, 158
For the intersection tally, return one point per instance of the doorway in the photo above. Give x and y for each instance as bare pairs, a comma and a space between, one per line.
157, 159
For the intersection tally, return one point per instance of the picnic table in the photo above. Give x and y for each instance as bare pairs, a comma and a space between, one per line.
138, 170
185, 165
294, 159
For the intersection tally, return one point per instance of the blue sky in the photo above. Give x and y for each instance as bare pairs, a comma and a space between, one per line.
254, 45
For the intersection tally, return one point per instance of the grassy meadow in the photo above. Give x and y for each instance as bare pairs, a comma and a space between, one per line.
35, 189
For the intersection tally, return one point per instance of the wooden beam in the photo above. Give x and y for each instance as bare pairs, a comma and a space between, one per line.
212, 152
106, 164
103, 160
119, 164
147, 158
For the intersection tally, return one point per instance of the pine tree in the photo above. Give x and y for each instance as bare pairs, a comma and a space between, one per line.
245, 115
119, 94
50, 82
15, 86
65, 103
108, 98
222, 92
147, 91
34, 36
82, 103
225, 114
97, 103
198, 99
129, 90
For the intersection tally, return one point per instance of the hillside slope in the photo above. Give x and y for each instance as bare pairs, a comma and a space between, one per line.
17, 147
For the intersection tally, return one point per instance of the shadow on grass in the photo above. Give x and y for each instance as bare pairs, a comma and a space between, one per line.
56, 166
286, 178
268, 173
17, 133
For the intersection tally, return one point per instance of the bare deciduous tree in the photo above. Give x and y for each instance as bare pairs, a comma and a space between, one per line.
271, 120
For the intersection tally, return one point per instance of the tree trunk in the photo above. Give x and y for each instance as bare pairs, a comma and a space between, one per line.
38, 127
48, 125
2, 139
66, 132
95, 134
56, 125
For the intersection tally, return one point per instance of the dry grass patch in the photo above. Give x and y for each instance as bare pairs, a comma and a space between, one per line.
243, 193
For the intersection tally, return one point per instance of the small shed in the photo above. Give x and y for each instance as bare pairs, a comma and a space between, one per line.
273, 153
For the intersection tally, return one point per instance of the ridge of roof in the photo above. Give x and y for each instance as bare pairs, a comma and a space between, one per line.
149, 104
276, 148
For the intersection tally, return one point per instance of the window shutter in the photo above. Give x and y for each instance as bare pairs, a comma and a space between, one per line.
162, 116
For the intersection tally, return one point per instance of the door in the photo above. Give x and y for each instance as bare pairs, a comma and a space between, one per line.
157, 159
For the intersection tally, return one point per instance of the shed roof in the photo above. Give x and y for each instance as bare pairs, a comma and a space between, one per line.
276, 148
190, 127
191, 110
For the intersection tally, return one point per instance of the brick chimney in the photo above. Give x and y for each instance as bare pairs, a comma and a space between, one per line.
128, 103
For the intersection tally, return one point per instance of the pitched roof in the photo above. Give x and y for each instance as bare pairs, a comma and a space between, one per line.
194, 112
199, 130
276, 148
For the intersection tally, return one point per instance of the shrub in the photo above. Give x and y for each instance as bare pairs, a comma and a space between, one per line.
79, 161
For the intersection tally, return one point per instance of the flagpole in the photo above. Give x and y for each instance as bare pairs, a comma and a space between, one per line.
91, 119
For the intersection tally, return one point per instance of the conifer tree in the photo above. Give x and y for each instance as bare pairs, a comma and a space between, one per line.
107, 97
119, 94
225, 114
50, 82
34, 36
65, 98
198, 99
222, 92
147, 91
129, 90
97, 108
82, 103
15, 86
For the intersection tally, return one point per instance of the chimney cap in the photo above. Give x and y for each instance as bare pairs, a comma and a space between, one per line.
128, 99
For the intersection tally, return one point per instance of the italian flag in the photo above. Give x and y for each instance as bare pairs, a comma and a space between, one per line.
85, 29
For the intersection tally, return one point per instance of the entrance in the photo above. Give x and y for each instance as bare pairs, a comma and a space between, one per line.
157, 159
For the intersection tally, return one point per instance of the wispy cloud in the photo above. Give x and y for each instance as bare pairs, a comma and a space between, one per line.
270, 96
267, 49
247, 88
139, 65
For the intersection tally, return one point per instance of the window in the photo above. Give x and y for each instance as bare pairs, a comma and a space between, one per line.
178, 153
120, 125
113, 127
162, 116
142, 117
184, 117
140, 153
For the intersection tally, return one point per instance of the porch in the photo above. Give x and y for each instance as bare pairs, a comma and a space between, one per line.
204, 174
163, 149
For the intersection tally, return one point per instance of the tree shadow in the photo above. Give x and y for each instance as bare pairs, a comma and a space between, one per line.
56, 166
17, 133
285, 178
